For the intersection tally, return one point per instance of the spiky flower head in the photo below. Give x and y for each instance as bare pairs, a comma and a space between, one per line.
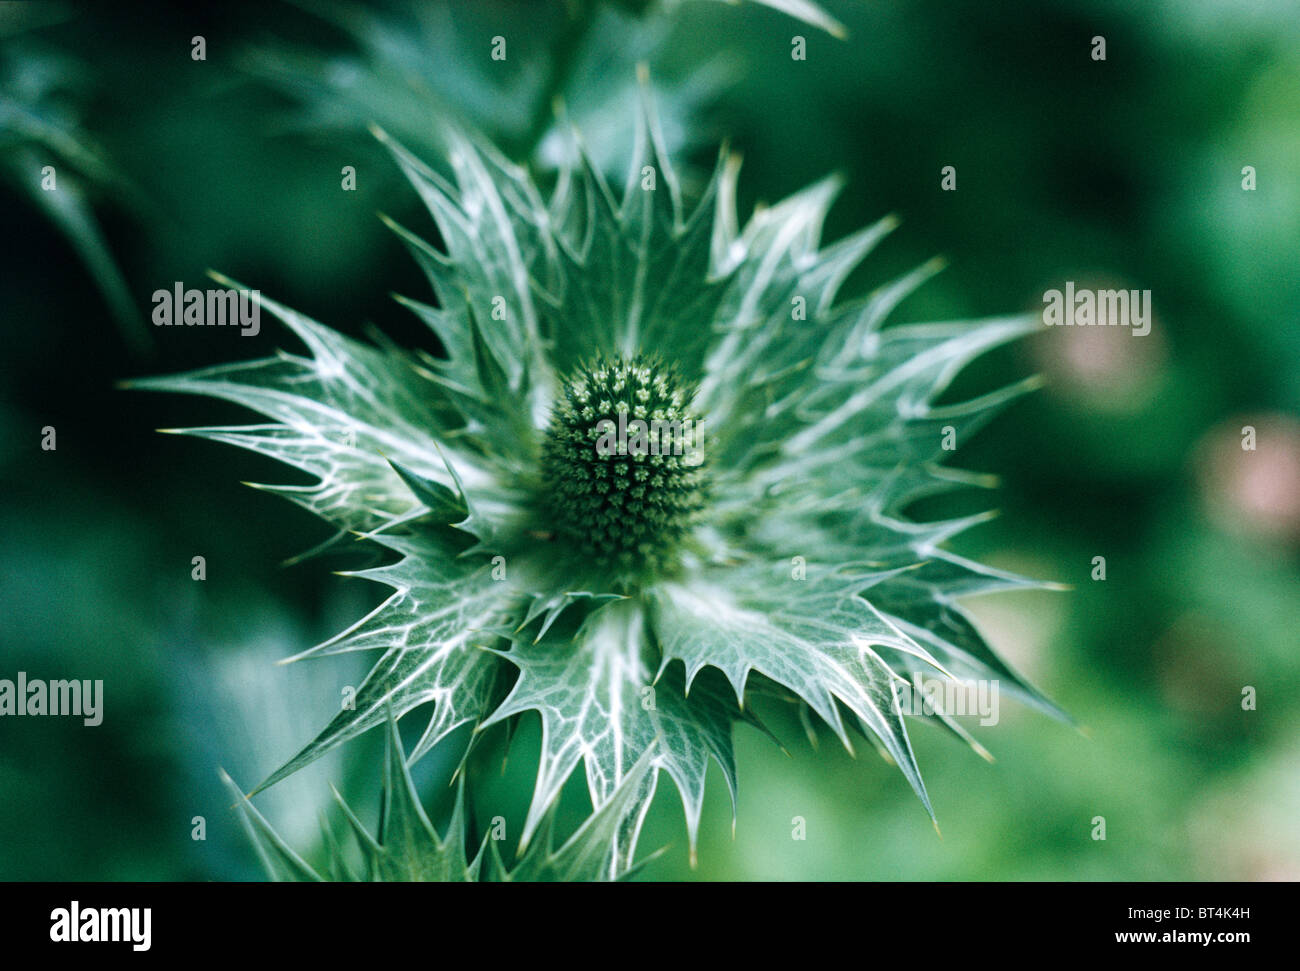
623, 463
797, 574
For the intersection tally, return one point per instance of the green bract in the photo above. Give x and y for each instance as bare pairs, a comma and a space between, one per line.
796, 571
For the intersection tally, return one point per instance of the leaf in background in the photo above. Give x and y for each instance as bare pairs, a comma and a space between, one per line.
279, 860
405, 848
805, 10
39, 129
589, 854
410, 66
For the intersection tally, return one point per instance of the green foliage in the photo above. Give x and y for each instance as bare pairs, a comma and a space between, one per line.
46, 151
823, 428
407, 847
1131, 451
407, 62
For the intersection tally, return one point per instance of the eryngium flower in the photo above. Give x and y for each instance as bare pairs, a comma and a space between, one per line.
516, 589
622, 465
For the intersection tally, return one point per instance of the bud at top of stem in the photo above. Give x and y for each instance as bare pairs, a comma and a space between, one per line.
622, 464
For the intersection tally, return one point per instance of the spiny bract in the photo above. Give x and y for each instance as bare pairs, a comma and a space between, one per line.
799, 571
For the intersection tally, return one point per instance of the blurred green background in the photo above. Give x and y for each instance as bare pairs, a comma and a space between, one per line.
1124, 172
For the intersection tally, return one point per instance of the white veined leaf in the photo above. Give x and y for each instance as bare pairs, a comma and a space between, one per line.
601, 707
